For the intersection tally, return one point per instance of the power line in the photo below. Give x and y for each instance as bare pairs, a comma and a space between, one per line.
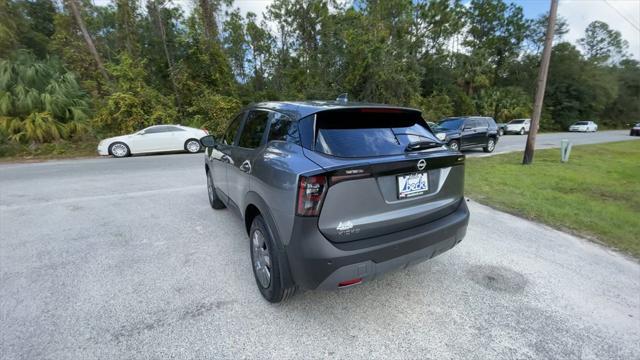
622, 15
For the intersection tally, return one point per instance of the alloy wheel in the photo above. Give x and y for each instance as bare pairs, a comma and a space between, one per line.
491, 145
193, 146
261, 258
210, 187
119, 150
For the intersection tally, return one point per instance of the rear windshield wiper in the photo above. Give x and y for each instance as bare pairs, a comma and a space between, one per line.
422, 145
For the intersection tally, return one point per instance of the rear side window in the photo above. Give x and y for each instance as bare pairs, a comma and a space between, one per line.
172, 129
232, 130
364, 132
256, 123
282, 129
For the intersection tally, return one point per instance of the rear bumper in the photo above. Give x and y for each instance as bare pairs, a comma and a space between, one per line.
317, 263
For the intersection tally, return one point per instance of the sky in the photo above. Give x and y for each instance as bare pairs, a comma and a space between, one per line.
621, 15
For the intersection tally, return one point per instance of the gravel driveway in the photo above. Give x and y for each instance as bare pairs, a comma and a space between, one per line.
124, 258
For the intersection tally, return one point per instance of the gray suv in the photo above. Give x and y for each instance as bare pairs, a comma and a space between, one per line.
333, 194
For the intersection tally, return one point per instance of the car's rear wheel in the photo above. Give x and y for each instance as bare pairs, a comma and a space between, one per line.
501, 132
265, 262
192, 145
214, 200
491, 145
119, 150
454, 145
522, 131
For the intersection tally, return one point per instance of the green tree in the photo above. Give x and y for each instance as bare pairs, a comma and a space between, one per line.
134, 104
601, 43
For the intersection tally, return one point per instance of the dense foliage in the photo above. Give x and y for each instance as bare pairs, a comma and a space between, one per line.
68, 66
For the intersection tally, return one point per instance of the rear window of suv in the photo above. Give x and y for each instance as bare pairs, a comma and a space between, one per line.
364, 132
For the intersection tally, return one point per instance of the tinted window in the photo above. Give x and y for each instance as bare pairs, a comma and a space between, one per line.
282, 129
582, 123
153, 130
450, 124
172, 129
254, 127
471, 123
357, 133
516, 122
230, 135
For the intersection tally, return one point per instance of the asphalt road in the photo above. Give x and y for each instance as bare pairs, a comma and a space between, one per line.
124, 258
510, 143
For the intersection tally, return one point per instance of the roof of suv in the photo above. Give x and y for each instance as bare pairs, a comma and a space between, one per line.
299, 109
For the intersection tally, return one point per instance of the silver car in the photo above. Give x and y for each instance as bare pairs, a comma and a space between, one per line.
333, 194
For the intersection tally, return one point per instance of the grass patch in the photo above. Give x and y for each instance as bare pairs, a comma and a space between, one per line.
58, 150
596, 194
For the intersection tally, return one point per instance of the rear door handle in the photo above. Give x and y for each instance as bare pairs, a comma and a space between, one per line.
246, 166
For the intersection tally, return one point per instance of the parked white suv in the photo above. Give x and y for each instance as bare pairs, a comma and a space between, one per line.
518, 126
584, 126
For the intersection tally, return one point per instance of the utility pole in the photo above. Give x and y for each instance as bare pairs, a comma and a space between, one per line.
541, 85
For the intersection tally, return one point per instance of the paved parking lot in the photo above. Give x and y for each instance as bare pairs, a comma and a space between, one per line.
509, 143
124, 258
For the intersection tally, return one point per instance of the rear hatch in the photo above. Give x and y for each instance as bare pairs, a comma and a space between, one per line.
386, 171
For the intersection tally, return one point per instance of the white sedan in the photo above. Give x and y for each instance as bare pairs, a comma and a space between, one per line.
158, 138
518, 126
584, 126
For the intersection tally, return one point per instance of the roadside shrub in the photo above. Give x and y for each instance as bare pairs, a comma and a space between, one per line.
213, 112
133, 105
39, 100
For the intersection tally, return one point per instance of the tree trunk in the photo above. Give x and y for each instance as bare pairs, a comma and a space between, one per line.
163, 38
209, 23
87, 38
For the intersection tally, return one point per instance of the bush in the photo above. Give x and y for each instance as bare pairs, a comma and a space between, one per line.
213, 112
39, 100
134, 104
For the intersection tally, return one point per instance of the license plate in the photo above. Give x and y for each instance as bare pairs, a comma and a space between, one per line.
412, 185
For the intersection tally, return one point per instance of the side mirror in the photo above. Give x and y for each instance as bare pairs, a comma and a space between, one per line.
208, 141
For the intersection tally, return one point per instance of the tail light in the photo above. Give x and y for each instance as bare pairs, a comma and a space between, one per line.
205, 130
311, 192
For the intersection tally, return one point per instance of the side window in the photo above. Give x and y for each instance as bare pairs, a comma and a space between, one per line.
283, 129
153, 130
254, 127
230, 135
172, 129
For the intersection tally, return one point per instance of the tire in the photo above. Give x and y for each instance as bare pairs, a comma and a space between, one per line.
521, 131
501, 132
491, 145
214, 200
265, 263
454, 145
193, 146
119, 150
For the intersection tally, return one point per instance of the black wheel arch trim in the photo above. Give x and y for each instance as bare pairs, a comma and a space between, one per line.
253, 198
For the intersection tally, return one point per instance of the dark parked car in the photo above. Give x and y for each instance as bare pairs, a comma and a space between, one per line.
635, 130
334, 194
469, 132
